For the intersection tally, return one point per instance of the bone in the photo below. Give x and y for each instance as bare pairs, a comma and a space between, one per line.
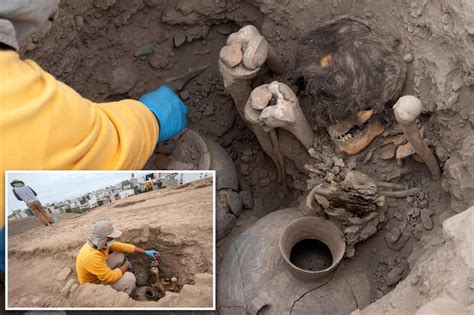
390, 185
406, 110
255, 51
400, 193
286, 113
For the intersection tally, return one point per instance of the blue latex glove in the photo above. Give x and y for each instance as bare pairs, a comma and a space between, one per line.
168, 108
2, 249
152, 253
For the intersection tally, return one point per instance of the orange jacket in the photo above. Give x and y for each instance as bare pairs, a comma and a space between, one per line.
44, 124
91, 263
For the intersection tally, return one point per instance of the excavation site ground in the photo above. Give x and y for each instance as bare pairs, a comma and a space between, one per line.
42, 260
400, 216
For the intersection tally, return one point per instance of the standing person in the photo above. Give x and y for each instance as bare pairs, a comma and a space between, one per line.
29, 196
45, 124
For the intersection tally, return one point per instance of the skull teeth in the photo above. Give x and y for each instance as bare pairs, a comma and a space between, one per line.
345, 138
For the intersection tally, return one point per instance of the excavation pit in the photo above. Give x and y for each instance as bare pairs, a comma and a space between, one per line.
173, 269
311, 248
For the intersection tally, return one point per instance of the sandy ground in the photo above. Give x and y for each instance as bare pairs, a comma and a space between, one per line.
178, 221
25, 224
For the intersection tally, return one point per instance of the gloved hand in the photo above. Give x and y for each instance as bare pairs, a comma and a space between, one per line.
168, 108
129, 264
152, 253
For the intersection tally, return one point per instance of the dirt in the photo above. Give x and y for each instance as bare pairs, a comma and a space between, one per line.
109, 50
182, 231
25, 224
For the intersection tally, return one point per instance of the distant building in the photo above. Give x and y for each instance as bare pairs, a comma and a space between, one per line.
126, 193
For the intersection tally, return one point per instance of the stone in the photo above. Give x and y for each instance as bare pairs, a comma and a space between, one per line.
184, 94
74, 287
234, 202
179, 39
247, 199
338, 162
144, 50
224, 29
426, 220
394, 276
123, 79
67, 287
79, 22
64, 274
416, 212
393, 235
378, 294
408, 57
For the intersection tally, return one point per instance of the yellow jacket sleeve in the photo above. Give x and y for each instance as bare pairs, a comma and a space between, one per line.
44, 124
98, 266
122, 247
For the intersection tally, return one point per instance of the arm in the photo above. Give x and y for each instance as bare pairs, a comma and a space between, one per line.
65, 131
16, 195
129, 248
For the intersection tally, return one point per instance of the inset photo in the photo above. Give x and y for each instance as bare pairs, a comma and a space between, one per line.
113, 240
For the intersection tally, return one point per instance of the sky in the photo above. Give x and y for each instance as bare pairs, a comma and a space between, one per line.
58, 186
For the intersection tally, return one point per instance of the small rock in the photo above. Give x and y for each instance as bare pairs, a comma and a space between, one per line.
79, 22
179, 38
67, 287
408, 57
426, 219
64, 274
234, 202
336, 170
224, 29
247, 199
351, 165
416, 212
123, 79
409, 199
378, 294
330, 176
393, 235
414, 280
338, 162
394, 276
244, 169
184, 95
74, 287
144, 50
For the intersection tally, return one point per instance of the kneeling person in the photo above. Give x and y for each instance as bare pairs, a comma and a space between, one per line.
95, 263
